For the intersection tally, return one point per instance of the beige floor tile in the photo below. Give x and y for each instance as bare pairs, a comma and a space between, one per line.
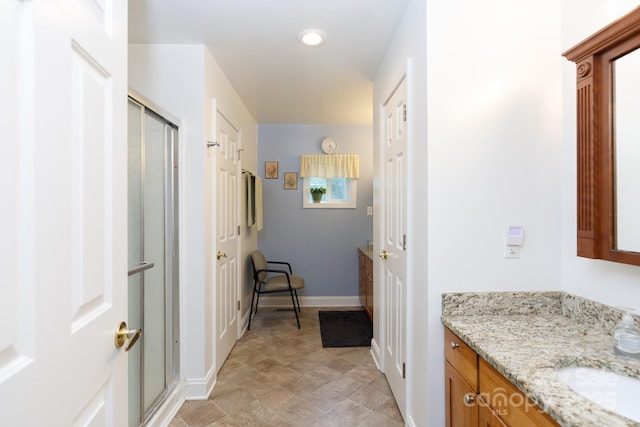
178, 422
390, 410
324, 421
381, 385
368, 397
234, 400
300, 411
279, 375
200, 413
254, 414
340, 365
348, 413
326, 399
277, 397
375, 420
344, 385
364, 374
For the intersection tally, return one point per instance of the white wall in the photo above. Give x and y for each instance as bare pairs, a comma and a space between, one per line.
185, 80
494, 123
603, 281
489, 136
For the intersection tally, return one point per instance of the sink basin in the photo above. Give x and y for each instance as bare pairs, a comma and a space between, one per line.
615, 392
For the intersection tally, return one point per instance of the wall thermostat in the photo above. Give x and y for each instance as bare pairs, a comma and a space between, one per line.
515, 237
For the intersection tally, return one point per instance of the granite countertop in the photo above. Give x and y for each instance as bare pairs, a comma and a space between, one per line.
526, 336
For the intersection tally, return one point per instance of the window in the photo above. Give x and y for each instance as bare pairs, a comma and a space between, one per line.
341, 192
337, 173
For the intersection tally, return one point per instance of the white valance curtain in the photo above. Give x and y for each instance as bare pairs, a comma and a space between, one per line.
330, 166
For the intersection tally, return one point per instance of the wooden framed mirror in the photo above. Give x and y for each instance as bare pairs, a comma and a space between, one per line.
608, 141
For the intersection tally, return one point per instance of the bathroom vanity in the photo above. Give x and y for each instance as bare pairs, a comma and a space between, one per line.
365, 279
504, 353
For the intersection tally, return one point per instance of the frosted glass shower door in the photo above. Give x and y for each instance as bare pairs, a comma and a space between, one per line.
152, 259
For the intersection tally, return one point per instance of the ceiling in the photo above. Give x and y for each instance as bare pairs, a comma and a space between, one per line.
255, 42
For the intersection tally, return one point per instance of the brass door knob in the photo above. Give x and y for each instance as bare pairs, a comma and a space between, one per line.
383, 254
123, 333
221, 255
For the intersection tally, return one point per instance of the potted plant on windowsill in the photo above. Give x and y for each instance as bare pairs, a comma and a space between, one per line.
317, 193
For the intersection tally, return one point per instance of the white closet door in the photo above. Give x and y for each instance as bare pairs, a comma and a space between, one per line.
393, 245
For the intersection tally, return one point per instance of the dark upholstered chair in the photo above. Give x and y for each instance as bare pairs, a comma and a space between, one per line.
267, 279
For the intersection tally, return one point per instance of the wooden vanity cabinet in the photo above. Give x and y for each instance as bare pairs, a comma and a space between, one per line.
509, 403
478, 395
461, 407
486, 416
461, 382
365, 282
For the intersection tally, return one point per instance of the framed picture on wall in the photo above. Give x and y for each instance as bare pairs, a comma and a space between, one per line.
290, 180
271, 170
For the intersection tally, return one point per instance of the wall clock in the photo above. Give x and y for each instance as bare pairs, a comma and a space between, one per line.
330, 145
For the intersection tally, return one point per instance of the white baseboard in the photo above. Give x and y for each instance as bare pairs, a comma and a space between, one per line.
285, 301
168, 410
244, 322
375, 353
200, 389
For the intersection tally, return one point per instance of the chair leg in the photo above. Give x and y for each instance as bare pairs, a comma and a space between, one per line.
251, 308
257, 299
297, 300
293, 301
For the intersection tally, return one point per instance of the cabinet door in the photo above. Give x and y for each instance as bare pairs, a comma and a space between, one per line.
486, 417
461, 407
362, 279
504, 398
369, 286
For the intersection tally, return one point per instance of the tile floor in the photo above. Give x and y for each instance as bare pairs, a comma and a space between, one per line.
277, 375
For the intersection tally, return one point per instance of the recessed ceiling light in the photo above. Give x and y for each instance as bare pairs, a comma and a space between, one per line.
312, 37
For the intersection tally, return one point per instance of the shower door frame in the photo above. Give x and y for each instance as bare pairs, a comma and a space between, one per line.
172, 261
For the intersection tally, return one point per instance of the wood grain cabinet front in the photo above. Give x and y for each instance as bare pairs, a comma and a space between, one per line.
511, 405
461, 382
365, 282
478, 395
486, 416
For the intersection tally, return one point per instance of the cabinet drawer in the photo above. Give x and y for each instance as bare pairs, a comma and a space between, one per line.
511, 405
462, 358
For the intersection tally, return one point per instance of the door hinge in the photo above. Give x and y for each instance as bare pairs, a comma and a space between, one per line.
404, 112
404, 242
238, 230
404, 370
238, 305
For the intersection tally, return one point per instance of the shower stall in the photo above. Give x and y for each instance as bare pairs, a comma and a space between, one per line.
153, 258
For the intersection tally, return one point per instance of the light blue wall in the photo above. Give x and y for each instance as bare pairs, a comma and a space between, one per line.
321, 244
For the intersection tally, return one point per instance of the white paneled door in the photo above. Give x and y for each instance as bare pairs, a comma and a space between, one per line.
63, 222
393, 243
227, 238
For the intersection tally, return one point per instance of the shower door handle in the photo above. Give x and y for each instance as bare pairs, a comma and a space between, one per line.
140, 268
123, 333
